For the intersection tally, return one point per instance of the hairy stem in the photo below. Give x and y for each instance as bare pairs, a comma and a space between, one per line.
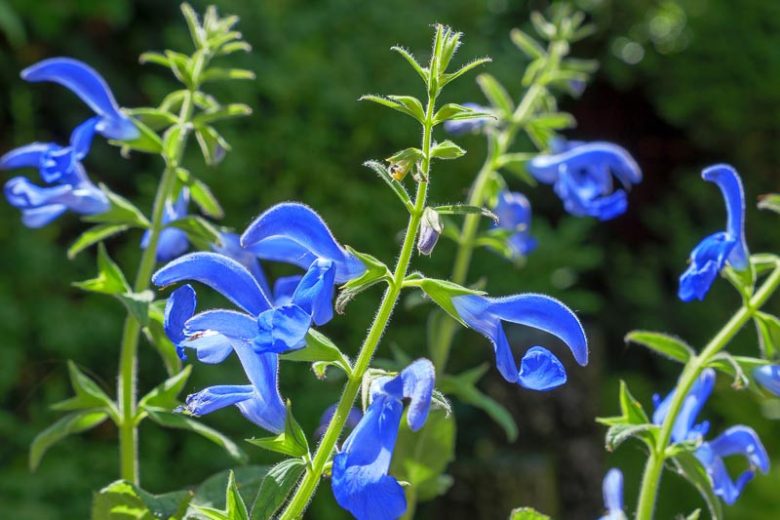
308, 485
128, 370
654, 467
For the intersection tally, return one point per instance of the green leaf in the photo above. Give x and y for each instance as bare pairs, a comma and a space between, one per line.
544, 28
447, 150
631, 410
199, 231
764, 262
768, 328
455, 112
496, 94
154, 118
156, 336
527, 44
463, 209
109, 280
739, 367
147, 141
121, 211
770, 201
165, 394
664, 344
421, 457
230, 111
394, 185
376, 270
408, 105
235, 509
292, 441
276, 487
689, 467
422, 72
137, 304
219, 74
89, 396
527, 513
94, 235
442, 292
181, 66
620, 433
76, 422
212, 145
205, 199
211, 492
554, 121
181, 422
197, 33
468, 67
319, 348
123, 500
463, 387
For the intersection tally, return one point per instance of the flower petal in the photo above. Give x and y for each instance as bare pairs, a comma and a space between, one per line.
284, 288
219, 272
231, 247
39, 217
266, 408
706, 261
299, 224
282, 329
769, 377
613, 490
353, 418
178, 309
232, 324
86, 83
314, 293
727, 179
81, 137
541, 370
684, 427
217, 397
210, 347
742, 440
27, 156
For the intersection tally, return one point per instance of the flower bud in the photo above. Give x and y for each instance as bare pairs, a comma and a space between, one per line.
430, 230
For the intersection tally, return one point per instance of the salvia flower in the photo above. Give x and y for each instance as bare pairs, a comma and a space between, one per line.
214, 335
231, 246
712, 254
468, 126
87, 84
612, 488
582, 176
514, 214
173, 241
769, 377
60, 167
431, 228
540, 369
360, 481
737, 440
353, 418
293, 233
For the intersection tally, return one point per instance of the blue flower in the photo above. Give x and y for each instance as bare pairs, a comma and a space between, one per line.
540, 369
214, 335
769, 377
514, 214
613, 495
87, 84
712, 254
360, 481
173, 241
737, 440
353, 418
581, 175
60, 167
292, 232
468, 126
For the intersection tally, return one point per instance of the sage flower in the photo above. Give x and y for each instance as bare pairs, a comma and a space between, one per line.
360, 482
540, 369
712, 254
737, 440
514, 214
60, 167
582, 176
87, 84
613, 495
768, 376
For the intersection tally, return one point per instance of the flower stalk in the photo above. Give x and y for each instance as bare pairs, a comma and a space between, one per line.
652, 474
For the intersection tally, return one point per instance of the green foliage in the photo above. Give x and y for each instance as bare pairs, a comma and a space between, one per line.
276, 487
292, 441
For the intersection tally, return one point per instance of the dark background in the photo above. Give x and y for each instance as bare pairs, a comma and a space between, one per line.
683, 84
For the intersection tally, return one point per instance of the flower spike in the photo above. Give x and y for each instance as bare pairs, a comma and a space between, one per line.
87, 84
294, 233
541, 370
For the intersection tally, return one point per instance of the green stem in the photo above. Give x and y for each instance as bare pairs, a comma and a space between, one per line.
654, 467
128, 370
305, 491
440, 351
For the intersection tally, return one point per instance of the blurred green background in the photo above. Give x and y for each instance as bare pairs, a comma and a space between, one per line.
683, 84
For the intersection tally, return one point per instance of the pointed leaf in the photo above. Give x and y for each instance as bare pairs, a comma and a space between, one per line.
689, 467
276, 487
292, 441
122, 211
496, 94
394, 185
443, 291
73, 423
447, 150
319, 348
463, 209
165, 395
182, 422
94, 235
423, 73
664, 344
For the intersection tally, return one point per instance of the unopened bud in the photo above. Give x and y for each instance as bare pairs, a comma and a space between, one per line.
430, 229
